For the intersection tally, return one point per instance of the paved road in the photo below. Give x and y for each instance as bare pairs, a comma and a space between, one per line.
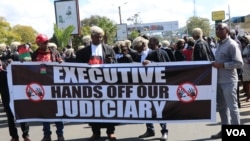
129, 132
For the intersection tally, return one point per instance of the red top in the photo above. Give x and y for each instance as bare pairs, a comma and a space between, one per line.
188, 53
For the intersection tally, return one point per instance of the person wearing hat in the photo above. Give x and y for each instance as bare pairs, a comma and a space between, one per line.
46, 54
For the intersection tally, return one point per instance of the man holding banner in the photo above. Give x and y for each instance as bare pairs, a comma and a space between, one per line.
98, 53
227, 60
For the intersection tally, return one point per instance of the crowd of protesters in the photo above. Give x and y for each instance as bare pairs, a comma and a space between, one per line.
230, 52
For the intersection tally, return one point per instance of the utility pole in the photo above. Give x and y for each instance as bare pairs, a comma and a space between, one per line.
119, 9
229, 17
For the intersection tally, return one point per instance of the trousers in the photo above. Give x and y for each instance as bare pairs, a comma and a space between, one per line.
227, 103
150, 127
47, 131
96, 127
4, 91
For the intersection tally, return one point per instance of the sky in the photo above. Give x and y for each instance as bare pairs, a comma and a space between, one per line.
40, 14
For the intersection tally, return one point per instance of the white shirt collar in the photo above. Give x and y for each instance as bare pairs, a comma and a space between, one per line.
96, 50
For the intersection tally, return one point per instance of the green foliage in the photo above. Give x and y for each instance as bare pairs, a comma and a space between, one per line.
85, 30
76, 41
92, 20
26, 33
198, 22
133, 35
105, 23
18, 33
6, 35
109, 29
63, 36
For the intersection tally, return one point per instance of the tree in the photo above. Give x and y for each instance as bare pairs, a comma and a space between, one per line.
135, 19
6, 34
85, 30
105, 23
92, 20
26, 33
194, 22
62, 36
109, 29
133, 35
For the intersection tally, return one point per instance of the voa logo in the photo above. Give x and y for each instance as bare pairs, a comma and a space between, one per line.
236, 132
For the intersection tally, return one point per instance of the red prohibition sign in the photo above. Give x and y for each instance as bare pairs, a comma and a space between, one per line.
35, 92
187, 92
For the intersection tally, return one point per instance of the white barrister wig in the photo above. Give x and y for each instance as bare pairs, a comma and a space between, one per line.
2, 47
52, 45
165, 43
69, 51
14, 45
80, 47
